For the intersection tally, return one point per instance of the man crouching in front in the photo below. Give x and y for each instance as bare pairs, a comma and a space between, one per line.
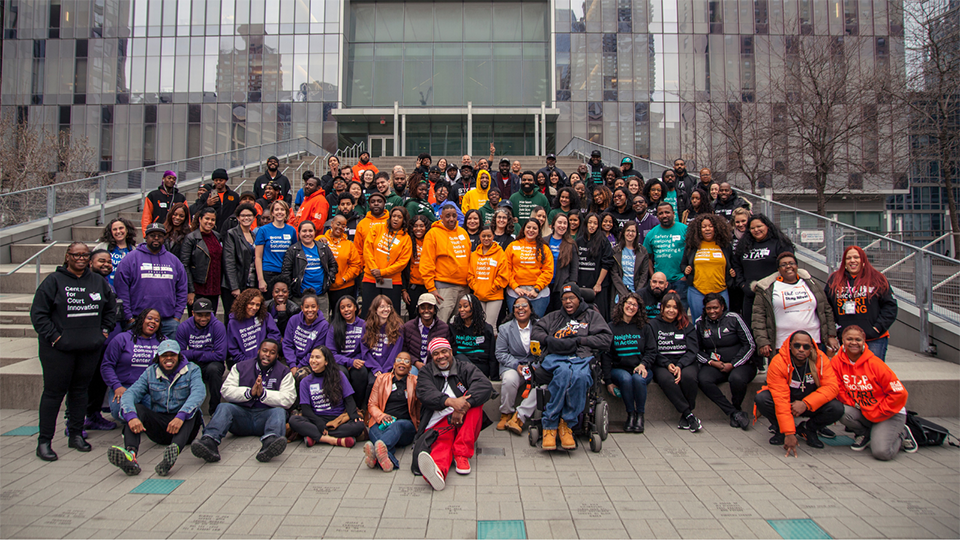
452, 395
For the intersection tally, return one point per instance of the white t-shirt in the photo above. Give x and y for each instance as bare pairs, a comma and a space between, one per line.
525, 335
439, 415
794, 308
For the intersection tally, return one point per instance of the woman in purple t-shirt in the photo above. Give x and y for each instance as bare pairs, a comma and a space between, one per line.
325, 397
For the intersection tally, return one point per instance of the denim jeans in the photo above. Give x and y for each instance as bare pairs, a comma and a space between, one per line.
633, 388
879, 347
168, 327
539, 305
695, 300
399, 433
568, 389
115, 405
680, 286
246, 422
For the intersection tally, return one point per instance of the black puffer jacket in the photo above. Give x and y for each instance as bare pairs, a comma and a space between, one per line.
728, 337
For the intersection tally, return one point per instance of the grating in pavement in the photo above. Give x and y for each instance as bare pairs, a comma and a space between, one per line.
157, 486
510, 528
796, 529
490, 451
840, 440
22, 431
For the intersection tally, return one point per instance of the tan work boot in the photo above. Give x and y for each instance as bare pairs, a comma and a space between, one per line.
515, 425
566, 436
502, 424
549, 439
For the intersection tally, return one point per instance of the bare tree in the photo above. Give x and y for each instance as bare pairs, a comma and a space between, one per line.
932, 91
837, 117
32, 156
748, 136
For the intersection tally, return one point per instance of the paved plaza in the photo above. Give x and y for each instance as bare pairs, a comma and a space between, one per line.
665, 483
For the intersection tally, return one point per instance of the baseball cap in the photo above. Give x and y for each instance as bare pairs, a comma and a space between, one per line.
595, 153
155, 227
452, 167
626, 160
505, 160
551, 156
168, 345
427, 298
203, 305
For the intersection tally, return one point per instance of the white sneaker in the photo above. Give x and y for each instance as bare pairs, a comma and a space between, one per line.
909, 441
431, 473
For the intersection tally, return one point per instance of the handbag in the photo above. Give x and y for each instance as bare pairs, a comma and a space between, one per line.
928, 433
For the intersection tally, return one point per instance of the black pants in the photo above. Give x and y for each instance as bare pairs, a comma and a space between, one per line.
155, 426
95, 391
829, 413
683, 395
307, 428
736, 302
334, 298
65, 373
212, 373
361, 380
748, 300
738, 378
414, 291
269, 277
484, 367
371, 291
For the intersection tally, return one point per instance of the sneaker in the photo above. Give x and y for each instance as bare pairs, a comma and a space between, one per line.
860, 442
431, 473
740, 420
684, 423
369, 459
170, 455
778, 439
383, 456
272, 447
309, 441
97, 422
827, 433
463, 464
909, 441
205, 448
811, 437
694, 422
502, 424
126, 460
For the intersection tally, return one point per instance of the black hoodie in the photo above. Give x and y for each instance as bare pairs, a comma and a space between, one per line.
77, 310
726, 208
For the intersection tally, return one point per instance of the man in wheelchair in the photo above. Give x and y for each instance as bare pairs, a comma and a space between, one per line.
569, 336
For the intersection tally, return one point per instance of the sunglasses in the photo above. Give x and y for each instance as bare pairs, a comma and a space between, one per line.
802, 347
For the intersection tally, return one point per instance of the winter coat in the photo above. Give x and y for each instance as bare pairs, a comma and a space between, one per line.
779, 376
463, 378
195, 257
412, 340
764, 323
182, 395
295, 266
237, 259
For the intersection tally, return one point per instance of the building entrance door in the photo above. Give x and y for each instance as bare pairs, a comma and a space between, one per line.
380, 145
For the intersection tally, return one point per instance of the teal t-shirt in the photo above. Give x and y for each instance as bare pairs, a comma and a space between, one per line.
666, 248
671, 197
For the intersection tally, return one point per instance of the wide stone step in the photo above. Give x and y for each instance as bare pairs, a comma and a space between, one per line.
17, 330
54, 255
14, 317
16, 302
24, 281
91, 234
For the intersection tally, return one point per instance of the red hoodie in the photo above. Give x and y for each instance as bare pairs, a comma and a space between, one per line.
869, 385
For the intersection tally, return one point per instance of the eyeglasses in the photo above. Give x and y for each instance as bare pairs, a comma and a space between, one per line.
787, 264
402, 361
802, 346
80, 255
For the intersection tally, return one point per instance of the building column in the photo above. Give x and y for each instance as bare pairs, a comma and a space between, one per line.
536, 135
469, 128
403, 135
543, 127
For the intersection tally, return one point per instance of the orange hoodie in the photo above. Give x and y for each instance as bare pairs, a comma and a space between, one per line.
360, 167
525, 266
869, 385
314, 208
349, 261
779, 376
387, 251
369, 226
415, 277
445, 256
488, 273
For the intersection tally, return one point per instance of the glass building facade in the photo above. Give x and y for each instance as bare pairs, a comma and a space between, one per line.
156, 80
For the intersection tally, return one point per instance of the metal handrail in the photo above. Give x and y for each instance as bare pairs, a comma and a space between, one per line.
32, 257
852, 228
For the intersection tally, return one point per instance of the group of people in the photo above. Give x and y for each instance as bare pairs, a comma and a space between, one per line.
492, 267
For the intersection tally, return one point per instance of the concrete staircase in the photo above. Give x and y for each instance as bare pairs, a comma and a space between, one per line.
567, 164
934, 384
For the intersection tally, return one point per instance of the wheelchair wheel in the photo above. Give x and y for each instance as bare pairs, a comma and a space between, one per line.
601, 419
533, 436
596, 443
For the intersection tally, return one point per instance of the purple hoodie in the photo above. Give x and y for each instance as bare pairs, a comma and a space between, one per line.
156, 281
124, 360
300, 339
380, 358
201, 345
351, 349
245, 337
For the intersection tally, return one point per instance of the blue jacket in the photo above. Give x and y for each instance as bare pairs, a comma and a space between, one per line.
183, 395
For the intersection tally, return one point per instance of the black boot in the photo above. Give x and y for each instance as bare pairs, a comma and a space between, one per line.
628, 425
78, 442
45, 451
638, 423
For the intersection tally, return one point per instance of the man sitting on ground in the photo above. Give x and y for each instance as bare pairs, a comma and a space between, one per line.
257, 394
451, 395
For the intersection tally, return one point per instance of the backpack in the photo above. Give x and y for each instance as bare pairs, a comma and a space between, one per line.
927, 433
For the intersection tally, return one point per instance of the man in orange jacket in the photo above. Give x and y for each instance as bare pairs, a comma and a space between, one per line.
315, 207
363, 165
800, 382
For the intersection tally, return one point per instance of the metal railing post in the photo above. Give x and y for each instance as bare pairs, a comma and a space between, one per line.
103, 200
143, 188
38, 273
830, 238
923, 278
51, 210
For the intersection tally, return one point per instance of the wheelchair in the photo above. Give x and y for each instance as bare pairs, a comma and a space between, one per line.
593, 421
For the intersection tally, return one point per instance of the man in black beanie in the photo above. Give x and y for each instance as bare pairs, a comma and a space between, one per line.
273, 174
222, 199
